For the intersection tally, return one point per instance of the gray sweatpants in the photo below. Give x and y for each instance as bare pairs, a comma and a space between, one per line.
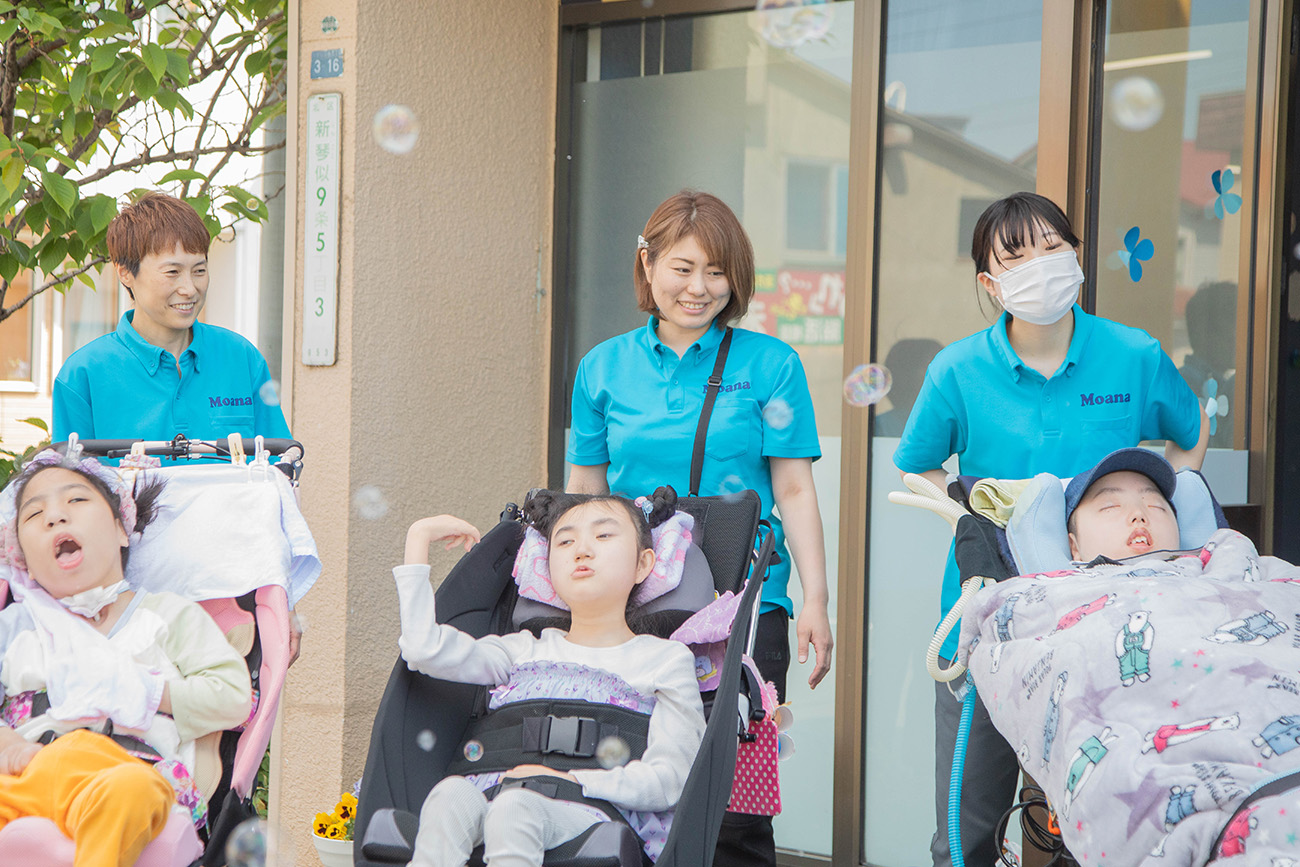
516, 827
988, 783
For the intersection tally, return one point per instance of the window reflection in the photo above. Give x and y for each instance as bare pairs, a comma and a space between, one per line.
1171, 142
959, 130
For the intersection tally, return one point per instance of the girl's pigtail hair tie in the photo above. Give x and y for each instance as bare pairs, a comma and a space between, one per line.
663, 505
537, 510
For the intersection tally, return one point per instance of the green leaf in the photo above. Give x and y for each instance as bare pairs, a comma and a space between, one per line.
104, 56
36, 422
202, 205
36, 216
275, 109
112, 16
183, 175
8, 267
178, 66
62, 190
102, 211
53, 254
106, 30
145, 84
87, 278
77, 86
166, 99
156, 61
8, 28
11, 175
256, 63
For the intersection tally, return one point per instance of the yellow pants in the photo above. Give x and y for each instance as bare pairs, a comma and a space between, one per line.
110, 803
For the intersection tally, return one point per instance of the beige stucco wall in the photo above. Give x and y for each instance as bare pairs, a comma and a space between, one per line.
439, 396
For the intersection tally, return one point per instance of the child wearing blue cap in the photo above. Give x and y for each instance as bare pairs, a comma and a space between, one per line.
1122, 508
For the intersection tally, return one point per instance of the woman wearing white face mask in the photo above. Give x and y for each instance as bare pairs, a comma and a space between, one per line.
1048, 388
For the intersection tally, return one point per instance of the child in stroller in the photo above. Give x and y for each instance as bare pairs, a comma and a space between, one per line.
97, 677
599, 552
1141, 665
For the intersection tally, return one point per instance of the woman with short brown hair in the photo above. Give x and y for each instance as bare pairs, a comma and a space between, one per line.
637, 401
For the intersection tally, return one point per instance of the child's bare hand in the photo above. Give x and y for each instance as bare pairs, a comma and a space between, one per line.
537, 771
424, 532
15, 757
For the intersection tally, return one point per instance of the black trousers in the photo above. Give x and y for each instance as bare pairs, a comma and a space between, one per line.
746, 840
988, 781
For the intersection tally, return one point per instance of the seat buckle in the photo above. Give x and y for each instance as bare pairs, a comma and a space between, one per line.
715, 381
569, 736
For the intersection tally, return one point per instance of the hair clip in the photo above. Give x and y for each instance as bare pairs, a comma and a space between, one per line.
642, 243
645, 505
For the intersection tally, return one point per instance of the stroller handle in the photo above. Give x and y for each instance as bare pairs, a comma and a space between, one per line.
179, 447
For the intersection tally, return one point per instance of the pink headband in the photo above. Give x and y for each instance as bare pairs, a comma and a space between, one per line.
126, 510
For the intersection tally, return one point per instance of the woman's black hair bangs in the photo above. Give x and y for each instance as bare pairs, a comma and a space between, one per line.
1017, 221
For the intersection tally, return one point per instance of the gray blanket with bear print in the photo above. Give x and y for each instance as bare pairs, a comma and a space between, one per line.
1149, 699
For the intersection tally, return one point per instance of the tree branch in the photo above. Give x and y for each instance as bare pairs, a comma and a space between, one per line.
6, 312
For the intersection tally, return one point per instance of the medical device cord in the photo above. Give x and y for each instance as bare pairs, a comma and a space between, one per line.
1033, 830
958, 771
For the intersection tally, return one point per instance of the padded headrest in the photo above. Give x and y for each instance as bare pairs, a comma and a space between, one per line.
1039, 542
693, 593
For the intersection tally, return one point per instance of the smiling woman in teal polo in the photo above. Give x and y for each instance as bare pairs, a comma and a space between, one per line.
162, 372
637, 401
1047, 389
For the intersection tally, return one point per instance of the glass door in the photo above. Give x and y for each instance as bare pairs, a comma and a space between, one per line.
959, 129
753, 108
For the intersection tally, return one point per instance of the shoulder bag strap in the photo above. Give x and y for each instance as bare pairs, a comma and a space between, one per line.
710, 395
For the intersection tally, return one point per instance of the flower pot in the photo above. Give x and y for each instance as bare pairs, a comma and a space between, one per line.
333, 853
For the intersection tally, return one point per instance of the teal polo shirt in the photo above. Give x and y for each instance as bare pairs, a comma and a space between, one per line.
636, 406
120, 386
1005, 420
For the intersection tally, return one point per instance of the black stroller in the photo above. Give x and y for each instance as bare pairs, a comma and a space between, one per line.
479, 597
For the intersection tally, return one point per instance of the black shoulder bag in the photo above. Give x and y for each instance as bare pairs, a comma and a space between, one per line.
710, 395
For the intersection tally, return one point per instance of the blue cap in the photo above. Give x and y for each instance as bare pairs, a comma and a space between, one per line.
1136, 460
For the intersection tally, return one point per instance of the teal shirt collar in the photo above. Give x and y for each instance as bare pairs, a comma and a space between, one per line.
1084, 324
707, 343
152, 356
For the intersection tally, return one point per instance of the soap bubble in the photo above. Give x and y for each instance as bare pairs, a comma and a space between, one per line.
790, 23
784, 746
270, 393
396, 129
732, 488
1296, 251
1136, 103
867, 384
252, 204
783, 717
777, 414
473, 751
247, 845
613, 752
370, 502
425, 740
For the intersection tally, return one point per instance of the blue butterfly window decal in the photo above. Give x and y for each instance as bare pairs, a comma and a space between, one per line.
1216, 405
1225, 202
1136, 251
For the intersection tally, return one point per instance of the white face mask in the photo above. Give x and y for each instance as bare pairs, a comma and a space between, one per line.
88, 603
1042, 290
